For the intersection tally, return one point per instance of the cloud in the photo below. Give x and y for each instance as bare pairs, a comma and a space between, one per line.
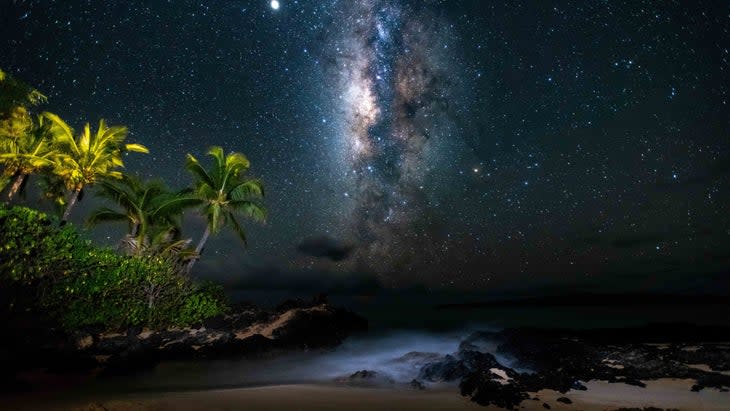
306, 281
325, 247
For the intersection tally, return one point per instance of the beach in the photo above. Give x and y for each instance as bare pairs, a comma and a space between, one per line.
664, 394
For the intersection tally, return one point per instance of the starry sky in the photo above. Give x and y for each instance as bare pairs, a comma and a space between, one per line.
459, 144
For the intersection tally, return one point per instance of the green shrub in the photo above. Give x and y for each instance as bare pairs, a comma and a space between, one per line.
32, 247
199, 305
82, 285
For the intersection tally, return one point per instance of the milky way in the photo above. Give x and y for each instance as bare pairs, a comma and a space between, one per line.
394, 87
458, 143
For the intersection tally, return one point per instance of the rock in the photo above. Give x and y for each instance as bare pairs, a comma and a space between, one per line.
578, 386
451, 368
418, 385
419, 359
254, 344
546, 405
367, 378
85, 341
448, 369
216, 323
247, 330
560, 359
564, 400
318, 326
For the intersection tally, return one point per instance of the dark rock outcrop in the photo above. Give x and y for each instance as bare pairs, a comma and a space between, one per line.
245, 331
561, 360
367, 378
417, 384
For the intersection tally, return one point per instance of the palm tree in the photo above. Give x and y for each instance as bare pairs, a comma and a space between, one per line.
85, 159
149, 207
28, 150
15, 93
15, 124
224, 192
53, 189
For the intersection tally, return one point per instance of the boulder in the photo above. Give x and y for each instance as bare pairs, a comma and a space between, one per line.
367, 378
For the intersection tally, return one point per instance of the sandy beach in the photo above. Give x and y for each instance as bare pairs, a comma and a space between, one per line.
600, 396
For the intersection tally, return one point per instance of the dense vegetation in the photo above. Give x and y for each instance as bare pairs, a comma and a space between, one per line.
86, 285
146, 281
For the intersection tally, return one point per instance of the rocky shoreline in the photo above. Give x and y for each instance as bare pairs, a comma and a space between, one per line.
501, 368
508, 367
247, 330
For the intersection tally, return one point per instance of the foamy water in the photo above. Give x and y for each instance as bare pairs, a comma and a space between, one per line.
384, 354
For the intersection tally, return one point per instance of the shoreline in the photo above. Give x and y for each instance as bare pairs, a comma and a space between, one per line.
601, 395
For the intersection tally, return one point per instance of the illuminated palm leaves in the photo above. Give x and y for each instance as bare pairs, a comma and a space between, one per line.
84, 159
224, 193
28, 151
22, 144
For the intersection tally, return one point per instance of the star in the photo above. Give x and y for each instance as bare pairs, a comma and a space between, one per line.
349, 112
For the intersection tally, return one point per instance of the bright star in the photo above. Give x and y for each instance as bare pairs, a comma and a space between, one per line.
275, 4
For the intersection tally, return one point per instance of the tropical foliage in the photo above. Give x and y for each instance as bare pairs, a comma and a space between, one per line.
85, 159
19, 137
15, 93
86, 285
224, 192
33, 248
150, 209
77, 283
28, 150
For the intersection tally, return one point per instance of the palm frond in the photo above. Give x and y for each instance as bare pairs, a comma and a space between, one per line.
174, 204
85, 139
237, 162
137, 148
105, 215
237, 228
219, 156
247, 188
193, 165
62, 133
250, 209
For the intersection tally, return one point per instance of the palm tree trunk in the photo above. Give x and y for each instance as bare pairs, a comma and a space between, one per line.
140, 234
71, 204
138, 237
199, 249
16, 186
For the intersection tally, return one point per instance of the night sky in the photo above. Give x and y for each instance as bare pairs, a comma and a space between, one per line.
459, 144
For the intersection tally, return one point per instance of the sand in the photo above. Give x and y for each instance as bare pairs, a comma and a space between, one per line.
667, 393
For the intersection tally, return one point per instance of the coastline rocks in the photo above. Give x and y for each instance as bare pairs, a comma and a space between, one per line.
246, 331
367, 378
561, 360
448, 369
418, 358
564, 400
417, 385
